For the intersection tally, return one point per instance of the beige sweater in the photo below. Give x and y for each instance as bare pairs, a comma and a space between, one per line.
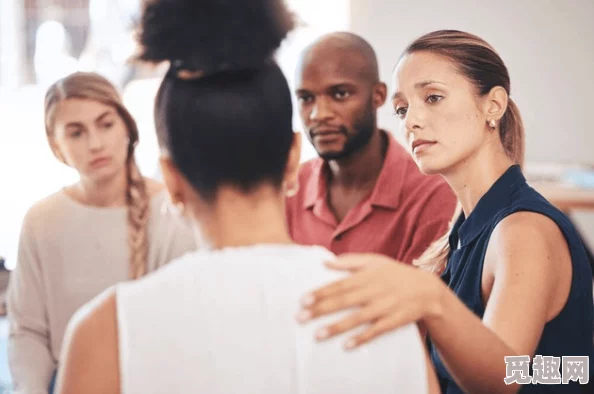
68, 254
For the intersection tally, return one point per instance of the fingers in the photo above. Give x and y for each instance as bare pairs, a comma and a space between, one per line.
380, 327
350, 262
398, 317
333, 289
337, 302
357, 261
366, 315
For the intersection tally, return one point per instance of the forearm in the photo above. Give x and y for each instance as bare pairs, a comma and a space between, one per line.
473, 354
31, 364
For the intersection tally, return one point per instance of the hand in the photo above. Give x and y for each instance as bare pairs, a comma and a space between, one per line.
389, 295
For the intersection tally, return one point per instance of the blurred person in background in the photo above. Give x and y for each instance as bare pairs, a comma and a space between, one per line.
111, 226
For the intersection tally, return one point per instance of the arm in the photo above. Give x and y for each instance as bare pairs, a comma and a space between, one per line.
90, 353
527, 267
30, 360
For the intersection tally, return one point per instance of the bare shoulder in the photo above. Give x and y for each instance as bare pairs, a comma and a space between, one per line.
153, 186
530, 241
95, 314
90, 351
523, 226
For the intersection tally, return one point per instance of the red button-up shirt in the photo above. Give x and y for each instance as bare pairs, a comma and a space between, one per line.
404, 213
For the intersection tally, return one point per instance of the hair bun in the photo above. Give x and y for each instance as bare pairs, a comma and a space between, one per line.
209, 35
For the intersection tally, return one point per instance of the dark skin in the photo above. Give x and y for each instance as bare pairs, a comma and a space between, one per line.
339, 93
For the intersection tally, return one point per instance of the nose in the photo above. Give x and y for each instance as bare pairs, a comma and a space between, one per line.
321, 110
414, 119
95, 140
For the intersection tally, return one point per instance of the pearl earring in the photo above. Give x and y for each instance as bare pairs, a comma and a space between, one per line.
492, 123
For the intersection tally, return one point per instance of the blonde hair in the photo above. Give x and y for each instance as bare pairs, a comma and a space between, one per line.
481, 65
92, 86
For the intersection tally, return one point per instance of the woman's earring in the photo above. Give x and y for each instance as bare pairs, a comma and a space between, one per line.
293, 190
492, 123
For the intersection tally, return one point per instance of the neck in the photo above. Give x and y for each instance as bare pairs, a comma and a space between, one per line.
106, 193
472, 178
361, 168
238, 219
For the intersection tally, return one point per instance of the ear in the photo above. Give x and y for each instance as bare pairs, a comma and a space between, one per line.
495, 104
294, 159
379, 94
173, 180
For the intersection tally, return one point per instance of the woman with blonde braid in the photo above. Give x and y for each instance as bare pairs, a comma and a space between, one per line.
107, 228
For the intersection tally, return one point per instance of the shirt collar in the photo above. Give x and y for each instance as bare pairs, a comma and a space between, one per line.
496, 199
315, 187
388, 187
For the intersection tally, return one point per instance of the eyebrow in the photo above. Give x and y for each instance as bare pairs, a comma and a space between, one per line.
104, 115
419, 85
302, 91
98, 119
73, 124
339, 85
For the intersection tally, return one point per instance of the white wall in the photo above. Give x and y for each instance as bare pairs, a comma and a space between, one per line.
547, 45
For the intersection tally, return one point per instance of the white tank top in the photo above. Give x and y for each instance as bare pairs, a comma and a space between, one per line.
224, 322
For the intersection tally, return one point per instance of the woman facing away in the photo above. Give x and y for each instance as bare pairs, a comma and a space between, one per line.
107, 228
224, 123
515, 280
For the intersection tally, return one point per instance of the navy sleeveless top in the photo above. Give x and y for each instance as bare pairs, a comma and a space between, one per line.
571, 332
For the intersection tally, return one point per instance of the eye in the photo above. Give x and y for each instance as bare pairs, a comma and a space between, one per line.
433, 98
106, 123
75, 133
341, 94
305, 98
400, 112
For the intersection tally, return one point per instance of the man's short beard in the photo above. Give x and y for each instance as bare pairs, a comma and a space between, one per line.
364, 128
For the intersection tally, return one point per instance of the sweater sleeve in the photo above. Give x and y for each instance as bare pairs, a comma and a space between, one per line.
31, 363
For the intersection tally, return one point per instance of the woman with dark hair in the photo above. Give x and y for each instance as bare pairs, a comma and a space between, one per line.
221, 320
515, 278
108, 227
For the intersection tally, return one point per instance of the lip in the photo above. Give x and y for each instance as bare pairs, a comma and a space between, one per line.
325, 131
420, 145
100, 161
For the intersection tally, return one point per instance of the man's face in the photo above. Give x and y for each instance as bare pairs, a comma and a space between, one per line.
335, 103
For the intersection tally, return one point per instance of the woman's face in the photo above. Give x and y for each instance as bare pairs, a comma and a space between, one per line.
439, 112
91, 137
